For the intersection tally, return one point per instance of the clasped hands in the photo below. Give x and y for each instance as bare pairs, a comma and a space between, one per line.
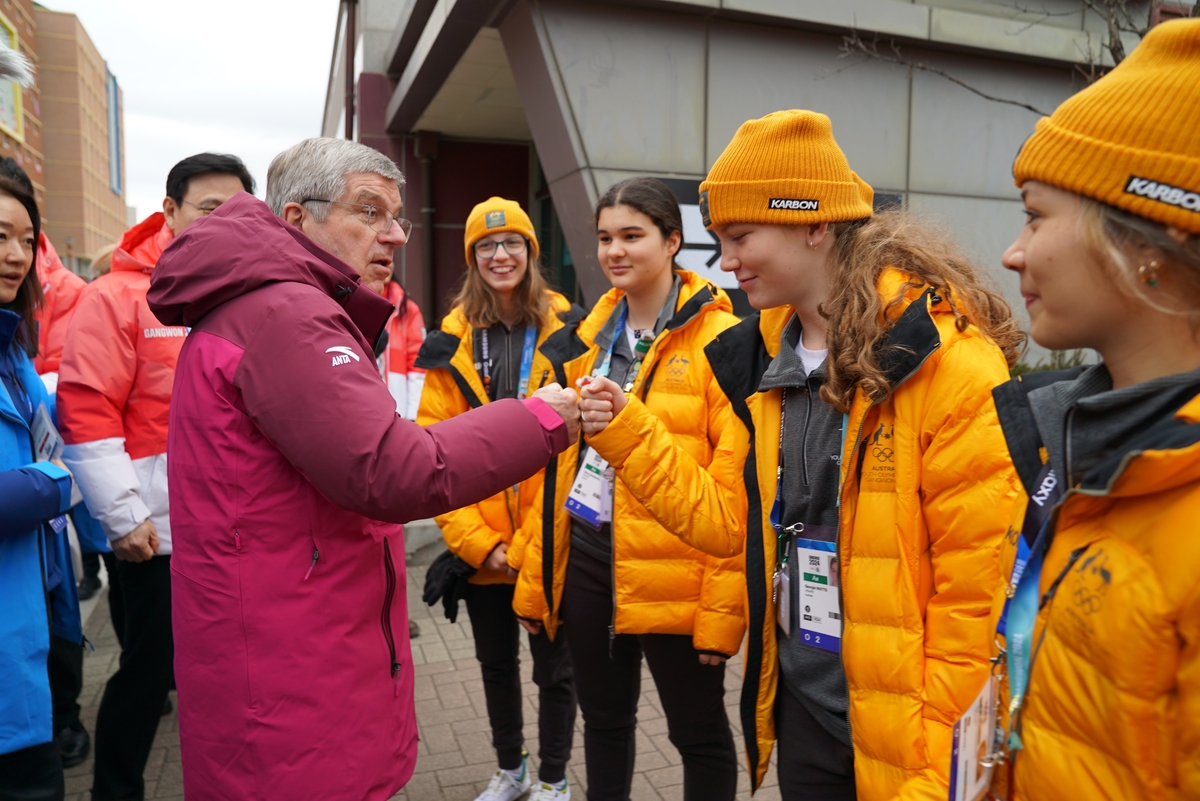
598, 402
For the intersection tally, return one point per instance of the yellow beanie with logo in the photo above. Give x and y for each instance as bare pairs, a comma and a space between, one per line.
495, 216
784, 169
1131, 139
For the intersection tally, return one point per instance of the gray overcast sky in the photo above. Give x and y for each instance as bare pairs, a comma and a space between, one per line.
234, 76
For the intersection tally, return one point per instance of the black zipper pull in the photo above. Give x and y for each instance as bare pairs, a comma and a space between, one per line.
316, 556
612, 635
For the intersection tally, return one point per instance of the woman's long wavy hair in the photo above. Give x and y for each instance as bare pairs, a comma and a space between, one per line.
481, 304
859, 320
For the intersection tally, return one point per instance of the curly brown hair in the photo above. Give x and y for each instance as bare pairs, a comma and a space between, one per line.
859, 320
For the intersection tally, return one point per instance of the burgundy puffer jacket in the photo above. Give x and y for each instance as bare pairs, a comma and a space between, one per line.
291, 643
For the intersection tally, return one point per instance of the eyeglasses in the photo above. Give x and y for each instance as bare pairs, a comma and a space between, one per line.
204, 210
377, 219
513, 246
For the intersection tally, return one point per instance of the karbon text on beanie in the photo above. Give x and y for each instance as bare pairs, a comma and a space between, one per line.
784, 169
496, 216
1131, 139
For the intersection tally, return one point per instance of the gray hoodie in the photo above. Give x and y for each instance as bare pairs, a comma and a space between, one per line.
812, 445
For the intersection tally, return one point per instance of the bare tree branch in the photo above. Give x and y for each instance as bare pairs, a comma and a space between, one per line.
854, 45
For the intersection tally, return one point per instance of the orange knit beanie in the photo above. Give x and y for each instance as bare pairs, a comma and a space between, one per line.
1131, 139
497, 215
784, 169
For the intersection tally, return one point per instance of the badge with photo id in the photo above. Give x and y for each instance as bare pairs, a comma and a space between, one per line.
820, 612
974, 741
590, 499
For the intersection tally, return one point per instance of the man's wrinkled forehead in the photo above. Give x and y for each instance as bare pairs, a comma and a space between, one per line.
374, 190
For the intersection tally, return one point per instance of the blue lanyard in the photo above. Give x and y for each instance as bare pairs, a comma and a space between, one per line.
606, 365
527, 361
1019, 617
527, 352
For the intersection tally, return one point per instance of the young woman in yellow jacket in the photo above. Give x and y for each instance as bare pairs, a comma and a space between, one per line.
873, 463
486, 351
1103, 628
600, 562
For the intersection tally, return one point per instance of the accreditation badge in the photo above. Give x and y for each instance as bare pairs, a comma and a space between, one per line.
820, 596
970, 756
590, 499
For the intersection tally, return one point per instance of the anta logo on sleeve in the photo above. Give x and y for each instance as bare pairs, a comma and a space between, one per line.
793, 204
342, 355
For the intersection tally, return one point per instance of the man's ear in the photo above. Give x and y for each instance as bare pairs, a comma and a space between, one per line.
171, 213
293, 215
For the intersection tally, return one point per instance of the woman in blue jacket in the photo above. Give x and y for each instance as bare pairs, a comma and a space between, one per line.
37, 582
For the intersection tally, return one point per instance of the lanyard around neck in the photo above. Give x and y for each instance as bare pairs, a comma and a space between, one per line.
640, 349
527, 352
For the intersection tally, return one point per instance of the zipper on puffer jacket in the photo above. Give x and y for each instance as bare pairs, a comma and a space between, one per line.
385, 617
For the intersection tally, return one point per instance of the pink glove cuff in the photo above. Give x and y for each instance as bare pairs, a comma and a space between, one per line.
545, 415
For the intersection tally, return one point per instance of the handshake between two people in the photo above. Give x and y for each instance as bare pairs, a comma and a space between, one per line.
599, 400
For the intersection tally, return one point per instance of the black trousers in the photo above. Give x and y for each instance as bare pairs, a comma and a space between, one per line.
116, 604
134, 696
497, 644
32, 774
813, 764
66, 682
609, 683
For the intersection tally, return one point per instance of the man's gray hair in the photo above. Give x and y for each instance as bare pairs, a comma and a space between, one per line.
317, 168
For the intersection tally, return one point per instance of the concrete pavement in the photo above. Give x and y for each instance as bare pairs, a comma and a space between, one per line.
455, 759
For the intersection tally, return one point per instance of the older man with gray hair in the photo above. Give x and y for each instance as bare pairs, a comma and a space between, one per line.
289, 474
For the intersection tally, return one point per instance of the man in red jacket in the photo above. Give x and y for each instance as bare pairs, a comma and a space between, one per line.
114, 394
290, 470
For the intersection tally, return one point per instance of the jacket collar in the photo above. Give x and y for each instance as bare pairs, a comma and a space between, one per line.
142, 245
579, 334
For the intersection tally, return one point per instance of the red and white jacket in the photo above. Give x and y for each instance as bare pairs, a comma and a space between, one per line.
406, 332
62, 289
114, 390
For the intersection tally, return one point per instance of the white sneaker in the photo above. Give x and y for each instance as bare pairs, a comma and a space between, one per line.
503, 787
548, 792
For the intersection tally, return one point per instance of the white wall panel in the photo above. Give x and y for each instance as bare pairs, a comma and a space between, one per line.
754, 70
635, 82
963, 144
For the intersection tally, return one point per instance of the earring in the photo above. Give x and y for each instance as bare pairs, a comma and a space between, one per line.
810, 244
1148, 273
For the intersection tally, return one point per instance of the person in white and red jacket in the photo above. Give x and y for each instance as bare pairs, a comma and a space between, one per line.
405, 332
114, 396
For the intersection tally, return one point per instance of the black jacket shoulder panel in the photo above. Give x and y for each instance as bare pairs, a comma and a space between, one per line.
1020, 429
738, 358
437, 350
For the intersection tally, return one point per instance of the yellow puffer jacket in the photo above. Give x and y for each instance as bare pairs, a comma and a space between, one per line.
919, 540
662, 586
452, 387
1112, 708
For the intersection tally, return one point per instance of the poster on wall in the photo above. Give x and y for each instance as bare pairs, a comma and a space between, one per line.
701, 252
11, 119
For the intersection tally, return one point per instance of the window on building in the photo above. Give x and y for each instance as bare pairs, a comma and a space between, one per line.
114, 133
12, 120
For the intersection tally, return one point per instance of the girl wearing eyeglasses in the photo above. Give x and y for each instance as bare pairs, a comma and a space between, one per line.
487, 350
623, 586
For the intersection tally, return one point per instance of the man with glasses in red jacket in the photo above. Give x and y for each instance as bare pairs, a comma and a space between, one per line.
290, 472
